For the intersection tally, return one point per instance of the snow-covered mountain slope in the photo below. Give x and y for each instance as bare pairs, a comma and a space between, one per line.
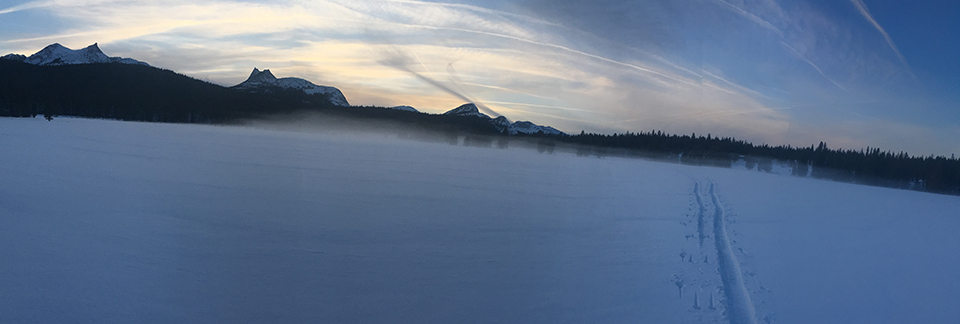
467, 109
404, 108
171, 223
531, 128
14, 57
502, 123
523, 127
56, 54
264, 80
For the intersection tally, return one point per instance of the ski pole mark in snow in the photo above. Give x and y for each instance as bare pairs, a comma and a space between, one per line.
700, 211
679, 282
739, 307
729, 298
713, 306
698, 274
696, 300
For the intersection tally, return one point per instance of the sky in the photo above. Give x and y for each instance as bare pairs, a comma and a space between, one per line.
851, 73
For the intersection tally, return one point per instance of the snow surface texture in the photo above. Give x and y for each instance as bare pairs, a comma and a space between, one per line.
260, 80
525, 127
122, 222
56, 54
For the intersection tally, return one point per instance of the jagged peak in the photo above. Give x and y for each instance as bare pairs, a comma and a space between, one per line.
264, 75
92, 48
263, 80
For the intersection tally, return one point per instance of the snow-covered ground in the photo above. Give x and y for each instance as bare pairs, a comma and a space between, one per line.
120, 222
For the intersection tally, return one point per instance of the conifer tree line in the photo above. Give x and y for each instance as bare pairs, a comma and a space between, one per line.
143, 93
871, 166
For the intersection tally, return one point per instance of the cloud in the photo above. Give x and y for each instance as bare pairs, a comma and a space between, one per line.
435, 56
481, 10
759, 21
400, 61
534, 73
865, 12
28, 6
815, 67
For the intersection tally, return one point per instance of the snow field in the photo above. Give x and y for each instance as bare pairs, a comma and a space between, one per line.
106, 221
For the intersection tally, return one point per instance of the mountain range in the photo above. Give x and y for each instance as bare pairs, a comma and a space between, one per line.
87, 83
501, 122
265, 81
259, 82
56, 54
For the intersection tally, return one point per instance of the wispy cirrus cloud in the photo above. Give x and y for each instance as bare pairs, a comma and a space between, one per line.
529, 53
865, 12
37, 5
712, 74
813, 65
754, 18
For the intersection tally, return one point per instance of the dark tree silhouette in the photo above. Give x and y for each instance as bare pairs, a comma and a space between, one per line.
143, 93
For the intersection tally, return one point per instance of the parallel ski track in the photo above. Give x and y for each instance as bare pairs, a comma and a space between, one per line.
740, 309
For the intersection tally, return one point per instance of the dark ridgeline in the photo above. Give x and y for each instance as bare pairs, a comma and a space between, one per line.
144, 93
122, 91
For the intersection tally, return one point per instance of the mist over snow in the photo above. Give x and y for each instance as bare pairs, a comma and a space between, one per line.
106, 221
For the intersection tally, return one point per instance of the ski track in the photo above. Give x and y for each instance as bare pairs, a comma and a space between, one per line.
725, 279
740, 309
697, 272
